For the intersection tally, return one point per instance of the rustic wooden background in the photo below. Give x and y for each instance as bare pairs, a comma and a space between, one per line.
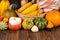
28, 35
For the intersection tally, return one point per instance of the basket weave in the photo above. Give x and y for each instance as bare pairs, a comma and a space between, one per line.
26, 16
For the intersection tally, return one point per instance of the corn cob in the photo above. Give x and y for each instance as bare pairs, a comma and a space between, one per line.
40, 11
30, 9
34, 13
24, 7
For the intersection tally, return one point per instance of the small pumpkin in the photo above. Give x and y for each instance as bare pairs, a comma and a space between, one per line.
14, 23
54, 17
40, 22
5, 19
9, 13
27, 23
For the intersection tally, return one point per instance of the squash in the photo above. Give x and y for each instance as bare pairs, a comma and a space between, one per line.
9, 13
34, 29
54, 17
27, 23
14, 23
50, 25
4, 5
40, 22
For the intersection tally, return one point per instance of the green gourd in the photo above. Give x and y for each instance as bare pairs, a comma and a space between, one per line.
14, 6
3, 25
40, 22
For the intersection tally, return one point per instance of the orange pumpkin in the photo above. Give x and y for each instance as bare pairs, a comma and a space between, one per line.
54, 17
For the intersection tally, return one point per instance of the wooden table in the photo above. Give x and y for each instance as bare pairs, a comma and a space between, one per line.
28, 35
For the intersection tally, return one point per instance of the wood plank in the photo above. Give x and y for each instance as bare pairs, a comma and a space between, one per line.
56, 34
41, 35
3, 35
23, 35
9, 35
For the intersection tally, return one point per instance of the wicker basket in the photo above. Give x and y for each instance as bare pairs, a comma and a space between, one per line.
26, 16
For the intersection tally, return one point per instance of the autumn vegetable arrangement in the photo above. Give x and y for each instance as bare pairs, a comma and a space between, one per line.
10, 19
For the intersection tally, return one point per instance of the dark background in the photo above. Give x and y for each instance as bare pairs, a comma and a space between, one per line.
18, 1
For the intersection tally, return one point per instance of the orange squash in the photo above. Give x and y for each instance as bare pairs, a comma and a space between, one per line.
54, 17
50, 25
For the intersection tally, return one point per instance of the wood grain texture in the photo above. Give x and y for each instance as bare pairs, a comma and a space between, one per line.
28, 35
